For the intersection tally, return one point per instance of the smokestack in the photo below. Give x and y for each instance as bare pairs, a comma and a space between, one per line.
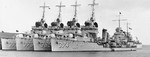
104, 35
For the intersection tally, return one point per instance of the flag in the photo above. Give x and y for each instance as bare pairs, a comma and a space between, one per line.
119, 12
17, 30
130, 28
49, 8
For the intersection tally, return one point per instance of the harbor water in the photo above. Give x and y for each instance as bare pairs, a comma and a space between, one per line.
144, 52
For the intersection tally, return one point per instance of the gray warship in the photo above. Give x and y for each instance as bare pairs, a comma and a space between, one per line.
73, 37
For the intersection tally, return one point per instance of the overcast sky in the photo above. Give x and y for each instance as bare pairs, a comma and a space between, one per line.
22, 14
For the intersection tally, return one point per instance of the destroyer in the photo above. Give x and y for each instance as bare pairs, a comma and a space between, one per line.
41, 40
8, 41
24, 42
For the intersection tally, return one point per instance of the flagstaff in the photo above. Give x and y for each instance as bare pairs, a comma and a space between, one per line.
119, 20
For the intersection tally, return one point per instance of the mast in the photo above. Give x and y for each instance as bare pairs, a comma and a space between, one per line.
75, 8
93, 9
60, 6
127, 24
127, 27
44, 9
119, 20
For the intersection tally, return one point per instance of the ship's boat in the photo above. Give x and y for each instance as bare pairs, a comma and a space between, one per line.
24, 42
8, 41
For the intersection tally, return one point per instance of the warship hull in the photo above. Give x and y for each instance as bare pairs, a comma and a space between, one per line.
42, 44
8, 43
25, 44
69, 45
0, 44
138, 46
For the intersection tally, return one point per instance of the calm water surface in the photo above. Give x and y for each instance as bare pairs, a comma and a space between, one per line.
144, 52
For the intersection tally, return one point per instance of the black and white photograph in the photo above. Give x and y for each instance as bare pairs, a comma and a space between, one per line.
74, 28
